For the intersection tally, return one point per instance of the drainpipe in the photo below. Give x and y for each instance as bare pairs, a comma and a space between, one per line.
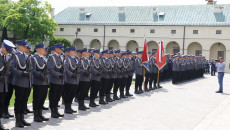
104, 39
183, 40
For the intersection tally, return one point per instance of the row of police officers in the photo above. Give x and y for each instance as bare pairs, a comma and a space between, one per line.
76, 73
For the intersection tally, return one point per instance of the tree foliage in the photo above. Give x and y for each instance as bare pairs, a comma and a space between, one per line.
29, 19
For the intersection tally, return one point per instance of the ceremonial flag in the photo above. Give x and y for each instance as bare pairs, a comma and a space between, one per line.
145, 56
160, 58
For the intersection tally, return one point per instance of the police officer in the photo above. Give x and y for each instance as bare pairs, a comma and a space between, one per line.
95, 77
4, 72
125, 65
118, 68
21, 82
71, 70
155, 70
130, 73
112, 75
78, 59
139, 73
84, 84
105, 77
39, 81
175, 69
56, 76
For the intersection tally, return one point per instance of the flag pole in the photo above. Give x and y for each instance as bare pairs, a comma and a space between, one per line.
158, 80
143, 79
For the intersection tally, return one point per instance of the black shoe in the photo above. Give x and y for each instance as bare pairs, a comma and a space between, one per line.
53, 113
108, 98
28, 111
136, 92
146, 90
160, 87
81, 106
5, 116
128, 95
67, 108
102, 101
122, 95
18, 122
24, 121
41, 116
60, 115
45, 108
141, 91
76, 99
91, 104
219, 91
115, 97
37, 117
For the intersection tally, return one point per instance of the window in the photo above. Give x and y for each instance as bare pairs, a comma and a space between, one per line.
218, 31
132, 30
198, 52
152, 31
61, 29
220, 54
78, 29
195, 31
173, 31
95, 30
114, 30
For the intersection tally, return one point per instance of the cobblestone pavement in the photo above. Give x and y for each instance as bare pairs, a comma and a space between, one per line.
187, 106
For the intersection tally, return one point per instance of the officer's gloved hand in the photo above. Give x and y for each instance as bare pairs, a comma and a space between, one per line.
74, 75
98, 74
86, 73
61, 76
25, 74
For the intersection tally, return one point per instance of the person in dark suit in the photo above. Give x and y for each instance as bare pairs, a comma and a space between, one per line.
39, 81
21, 82
4, 72
56, 79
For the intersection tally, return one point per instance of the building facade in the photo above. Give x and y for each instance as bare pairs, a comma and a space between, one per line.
196, 29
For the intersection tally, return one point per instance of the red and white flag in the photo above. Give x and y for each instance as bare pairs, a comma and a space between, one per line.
160, 58
145, 56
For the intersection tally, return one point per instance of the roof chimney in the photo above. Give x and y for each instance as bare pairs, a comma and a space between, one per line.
121, 10
82, 10
154, 10
211, 2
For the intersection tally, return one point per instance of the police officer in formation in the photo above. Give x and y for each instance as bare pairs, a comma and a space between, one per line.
5, 50
187, 67
73, 73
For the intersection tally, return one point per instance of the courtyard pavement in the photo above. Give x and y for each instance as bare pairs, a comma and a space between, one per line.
192, 105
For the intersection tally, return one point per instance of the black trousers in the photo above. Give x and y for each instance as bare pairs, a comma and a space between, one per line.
2, 96
8, 95
110, 86
69, 92
146, 79
123, 84
104, 85
83, 90
151, 79
55, 93
128, 83
27, 95
39, 96
95, 86
77, 92
117, 85
21, 98
138, 82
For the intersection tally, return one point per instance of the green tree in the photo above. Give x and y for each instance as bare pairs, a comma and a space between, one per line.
29, 19
4, 9
67, 43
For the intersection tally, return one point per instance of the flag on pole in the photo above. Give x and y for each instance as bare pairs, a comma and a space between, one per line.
160, 58
145, 56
